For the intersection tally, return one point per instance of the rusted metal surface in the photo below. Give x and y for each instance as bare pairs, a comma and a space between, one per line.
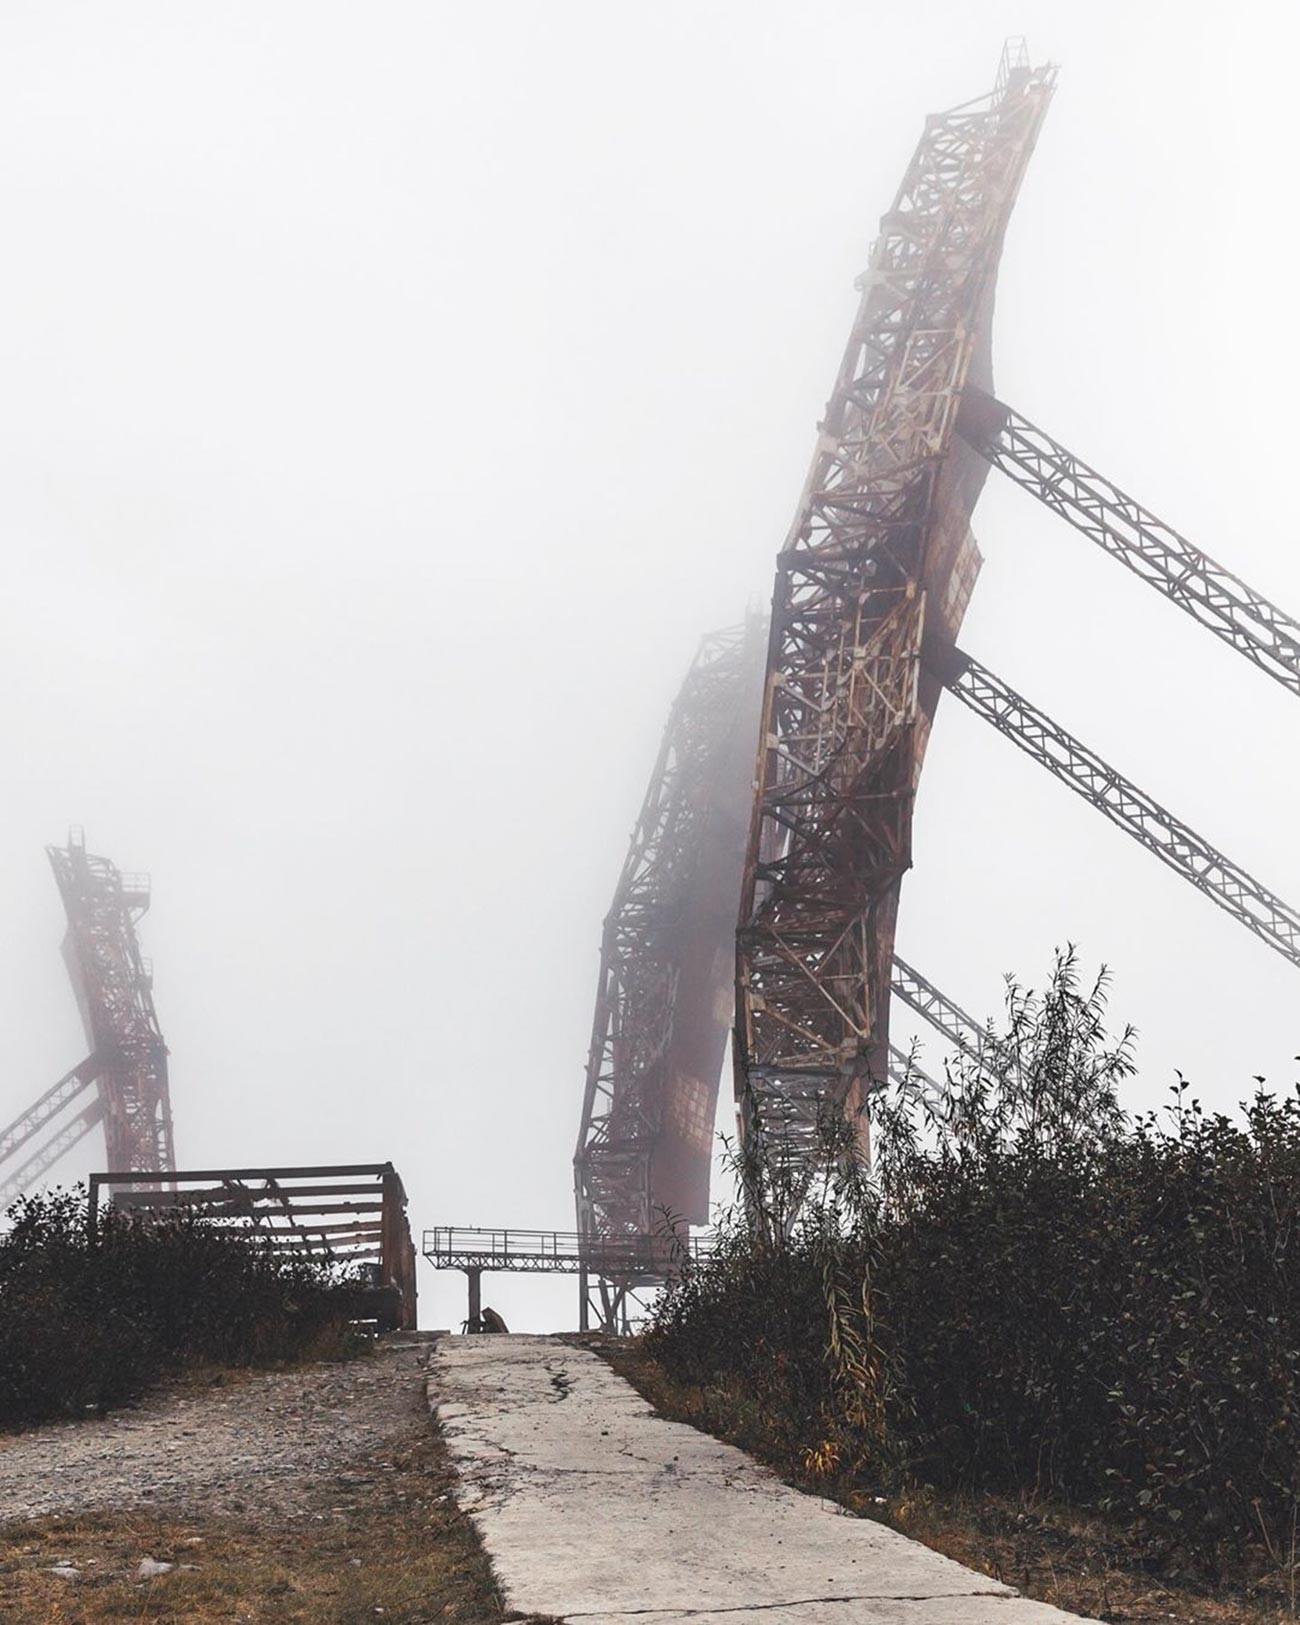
351, 1214
870, 592
663, 1002
113, 985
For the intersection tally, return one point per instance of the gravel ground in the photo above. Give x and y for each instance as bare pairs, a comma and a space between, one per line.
260, 1443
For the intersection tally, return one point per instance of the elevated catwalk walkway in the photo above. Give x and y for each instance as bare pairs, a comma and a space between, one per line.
620, 1266
592, 1508
557, 1252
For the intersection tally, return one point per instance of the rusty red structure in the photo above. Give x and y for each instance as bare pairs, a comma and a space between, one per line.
663, 999
871, 587
113, 983
870, 592
126, 1068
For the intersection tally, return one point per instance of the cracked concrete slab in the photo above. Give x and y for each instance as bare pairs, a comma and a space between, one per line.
593, 1508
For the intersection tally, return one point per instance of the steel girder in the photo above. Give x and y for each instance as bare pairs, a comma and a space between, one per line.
112, 983
961, 1030
44, 1158
873, 578
46, 1107
1173, 842
663, 1004
1154, 551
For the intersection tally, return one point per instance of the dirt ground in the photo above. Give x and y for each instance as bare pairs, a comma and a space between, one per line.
319, 1496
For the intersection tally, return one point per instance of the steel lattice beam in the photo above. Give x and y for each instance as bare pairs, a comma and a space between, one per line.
48, 1106
1182, 849
663, 1002
113, 986
48, 1154
1123, 528
874, 576
948, 1018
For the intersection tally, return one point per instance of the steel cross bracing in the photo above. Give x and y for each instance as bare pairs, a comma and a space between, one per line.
875, 563
45, 1156
112, 984
663, 998
948, 1018
46, 1107
1154, 551
1184, 851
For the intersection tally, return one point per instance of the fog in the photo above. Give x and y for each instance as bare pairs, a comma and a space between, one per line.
390, 396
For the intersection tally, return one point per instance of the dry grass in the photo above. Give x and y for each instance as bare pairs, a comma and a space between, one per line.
1080, 1562
381, 1541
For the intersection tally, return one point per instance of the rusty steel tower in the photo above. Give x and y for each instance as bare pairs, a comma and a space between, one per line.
127, 1064
114, 988
663, 997
871, 587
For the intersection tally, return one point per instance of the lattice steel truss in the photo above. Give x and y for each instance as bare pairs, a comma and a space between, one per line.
872, 580
1215, 598
663, 1002
112, 982
946, 1017
45, 1109
1176, 844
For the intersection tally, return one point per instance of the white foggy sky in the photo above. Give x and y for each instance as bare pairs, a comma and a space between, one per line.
391, 394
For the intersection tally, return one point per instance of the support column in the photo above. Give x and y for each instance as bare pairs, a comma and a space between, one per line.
475, 1277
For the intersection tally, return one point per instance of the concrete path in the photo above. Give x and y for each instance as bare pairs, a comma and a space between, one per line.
592, 1508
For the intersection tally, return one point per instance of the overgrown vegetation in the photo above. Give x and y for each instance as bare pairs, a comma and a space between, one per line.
84, 1327
1029, 1293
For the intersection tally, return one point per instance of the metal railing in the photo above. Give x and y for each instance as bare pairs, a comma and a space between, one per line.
352, 1214
562, 1252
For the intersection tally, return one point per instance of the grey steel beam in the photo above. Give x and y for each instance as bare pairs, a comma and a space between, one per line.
1140, 815
942, 1014
1158, 554
47, 1106
49, 1154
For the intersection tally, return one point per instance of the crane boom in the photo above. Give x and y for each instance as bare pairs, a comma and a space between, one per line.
871, 586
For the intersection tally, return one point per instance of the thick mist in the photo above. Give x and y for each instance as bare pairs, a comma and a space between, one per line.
391, 395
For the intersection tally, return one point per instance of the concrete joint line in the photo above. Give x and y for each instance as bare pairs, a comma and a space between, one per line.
793, 1602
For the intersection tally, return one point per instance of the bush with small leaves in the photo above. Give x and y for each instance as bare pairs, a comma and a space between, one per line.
1026, 1291
85, 1326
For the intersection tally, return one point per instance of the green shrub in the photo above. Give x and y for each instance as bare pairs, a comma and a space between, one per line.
1030, 1293
84, 1327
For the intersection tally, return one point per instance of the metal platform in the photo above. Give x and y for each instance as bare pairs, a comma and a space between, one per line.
619, 1267
559, 1252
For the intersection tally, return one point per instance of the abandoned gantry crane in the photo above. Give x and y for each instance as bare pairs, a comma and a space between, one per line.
871, 588
870, 591
869, 594
127, 1066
